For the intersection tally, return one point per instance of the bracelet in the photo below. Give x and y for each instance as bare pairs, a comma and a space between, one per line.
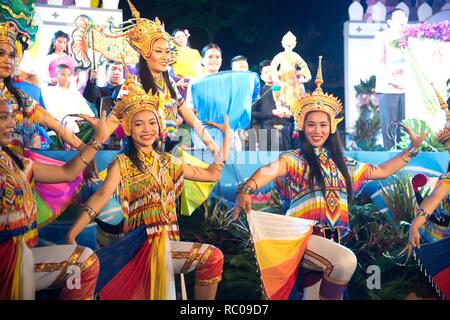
244, 188
218, 166
423, 213
256, 185
401, 157
91, 212
413, 152
83, 159
95, 144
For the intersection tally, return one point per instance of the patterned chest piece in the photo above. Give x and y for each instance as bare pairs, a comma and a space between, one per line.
332, 183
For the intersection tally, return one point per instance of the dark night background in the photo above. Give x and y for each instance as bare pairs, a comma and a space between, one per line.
254, 28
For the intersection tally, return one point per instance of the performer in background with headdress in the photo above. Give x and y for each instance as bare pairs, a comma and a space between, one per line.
154, 46
432, 220
317, 182
141, 263
23, 268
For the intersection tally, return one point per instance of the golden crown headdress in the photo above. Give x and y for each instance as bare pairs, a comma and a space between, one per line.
443, 136
135, 99
8, 32
145, 32
317, 101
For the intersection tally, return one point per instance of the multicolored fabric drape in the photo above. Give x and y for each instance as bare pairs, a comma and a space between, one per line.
139, 264
52, 199
280, 243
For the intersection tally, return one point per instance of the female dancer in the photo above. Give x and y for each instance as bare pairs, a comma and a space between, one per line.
318, 182
24, 268
153, 44
141, 263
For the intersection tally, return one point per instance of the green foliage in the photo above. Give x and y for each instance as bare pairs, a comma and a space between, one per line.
418, 126
372, 238
212, 224
368, 124
398, 194
367, 87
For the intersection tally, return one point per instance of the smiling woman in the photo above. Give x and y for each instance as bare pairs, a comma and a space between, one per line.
154, 44
317, 183
24, 268
148, 250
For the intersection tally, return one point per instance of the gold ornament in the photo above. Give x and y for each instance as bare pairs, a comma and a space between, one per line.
134, 100
145, 32
317, 101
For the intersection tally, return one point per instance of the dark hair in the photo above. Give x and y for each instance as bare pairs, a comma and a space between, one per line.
238, 58
15, 92
390, 13
132, 152
147, 80
334, 147
210, 46
111, 62
263, 64
58, 34
174, 32
14, 157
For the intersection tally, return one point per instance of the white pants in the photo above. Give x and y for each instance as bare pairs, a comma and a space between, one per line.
335, 261
52, 266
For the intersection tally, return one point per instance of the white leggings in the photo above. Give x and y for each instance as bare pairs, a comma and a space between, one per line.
48, 267
335, 261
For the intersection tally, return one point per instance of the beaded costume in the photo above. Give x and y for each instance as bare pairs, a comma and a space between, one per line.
141, 263
18, 234
309, 203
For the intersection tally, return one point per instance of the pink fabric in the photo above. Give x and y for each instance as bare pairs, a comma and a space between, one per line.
57, 196
67, 60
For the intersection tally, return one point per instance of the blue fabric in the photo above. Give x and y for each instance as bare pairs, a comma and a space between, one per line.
226, 93
435, 256
32, 90
115, 257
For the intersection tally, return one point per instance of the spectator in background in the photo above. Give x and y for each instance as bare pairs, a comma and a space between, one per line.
58, 53
114, 77
390, 64
63, 100
239, 63
262, 116
30, 84
188, 61
211, 62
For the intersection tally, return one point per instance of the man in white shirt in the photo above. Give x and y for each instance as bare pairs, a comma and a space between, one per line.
62, 100
390, 63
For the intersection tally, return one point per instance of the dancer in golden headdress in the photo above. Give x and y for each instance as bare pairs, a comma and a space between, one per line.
441, 195
317, 182
154, 46
148, 182
24, 268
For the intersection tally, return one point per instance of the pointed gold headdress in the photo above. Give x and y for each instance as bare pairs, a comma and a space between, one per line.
8, 33
317, 101
443, 136
145, 32
133, 100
